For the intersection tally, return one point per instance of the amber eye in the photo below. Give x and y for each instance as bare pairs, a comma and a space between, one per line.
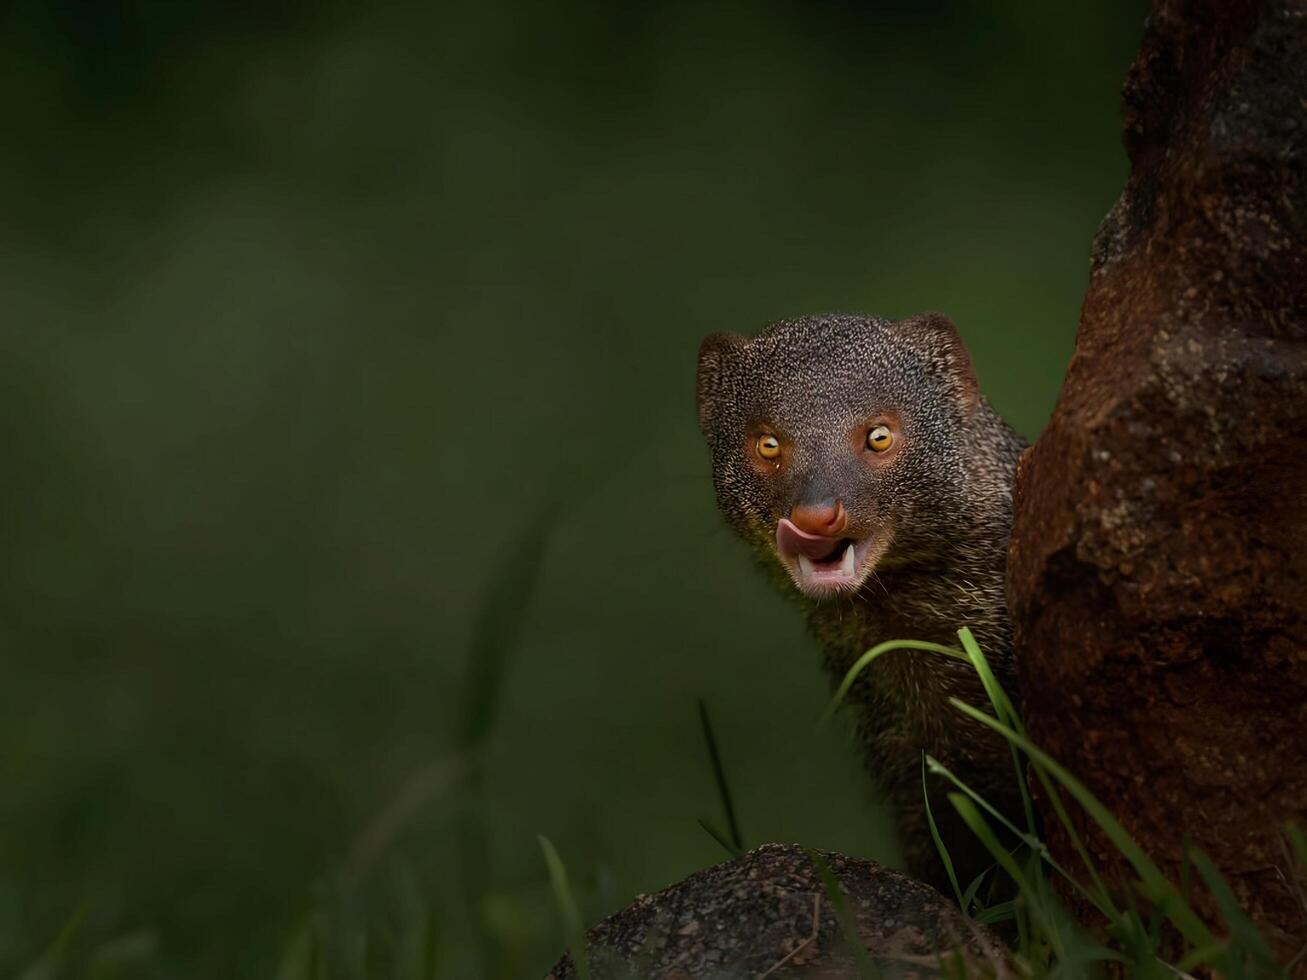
769, 447
879, 439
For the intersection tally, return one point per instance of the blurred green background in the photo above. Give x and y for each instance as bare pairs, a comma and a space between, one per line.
347, 363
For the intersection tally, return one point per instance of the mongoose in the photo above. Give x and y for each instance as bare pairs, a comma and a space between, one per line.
858, 458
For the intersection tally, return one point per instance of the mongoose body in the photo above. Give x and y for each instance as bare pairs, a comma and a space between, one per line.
858, 458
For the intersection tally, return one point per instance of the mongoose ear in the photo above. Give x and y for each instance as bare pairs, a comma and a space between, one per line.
936, 337
714, 354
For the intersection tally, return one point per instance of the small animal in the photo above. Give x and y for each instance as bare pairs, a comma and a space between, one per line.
859, 460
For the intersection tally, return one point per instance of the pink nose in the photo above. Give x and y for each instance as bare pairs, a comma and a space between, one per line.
823, 518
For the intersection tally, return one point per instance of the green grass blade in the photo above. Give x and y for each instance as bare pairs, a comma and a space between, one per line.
939, 841
1006, 713
980, 827
1203, 956
1101, 897
723, 787
1000, 912
1030, 897
720, 838
997, 696
50, 962
1036, 845
866, 968
1245, 939
572, 927
1156, 888
939, 769
299, 953
969, 896
878, 650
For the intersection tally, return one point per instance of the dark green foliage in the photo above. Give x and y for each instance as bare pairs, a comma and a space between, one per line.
309, 308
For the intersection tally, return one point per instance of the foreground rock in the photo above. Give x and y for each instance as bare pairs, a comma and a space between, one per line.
1158, 570
767, 915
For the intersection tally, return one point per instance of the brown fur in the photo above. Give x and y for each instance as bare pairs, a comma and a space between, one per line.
943, 503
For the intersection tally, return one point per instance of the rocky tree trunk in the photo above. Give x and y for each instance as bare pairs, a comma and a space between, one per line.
1158, 569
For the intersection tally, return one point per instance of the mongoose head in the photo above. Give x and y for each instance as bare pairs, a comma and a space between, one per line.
839, 442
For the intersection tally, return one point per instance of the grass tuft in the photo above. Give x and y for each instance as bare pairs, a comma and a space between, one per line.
732, 840
1048, 944
572, 926
944, 856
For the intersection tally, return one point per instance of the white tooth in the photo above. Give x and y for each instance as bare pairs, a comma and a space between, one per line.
846, 565
805, 566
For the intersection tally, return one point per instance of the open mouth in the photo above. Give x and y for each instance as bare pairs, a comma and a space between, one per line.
819, 564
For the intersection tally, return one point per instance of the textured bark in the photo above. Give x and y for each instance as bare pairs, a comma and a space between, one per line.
755, 917
1157, 577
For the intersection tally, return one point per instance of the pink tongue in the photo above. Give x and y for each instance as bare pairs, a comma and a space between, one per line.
791, 541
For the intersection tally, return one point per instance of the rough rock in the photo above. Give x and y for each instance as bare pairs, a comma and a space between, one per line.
767, 915
1158, 569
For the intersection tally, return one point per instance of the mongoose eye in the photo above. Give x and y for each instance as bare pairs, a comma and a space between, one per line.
769, 447
879, 439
